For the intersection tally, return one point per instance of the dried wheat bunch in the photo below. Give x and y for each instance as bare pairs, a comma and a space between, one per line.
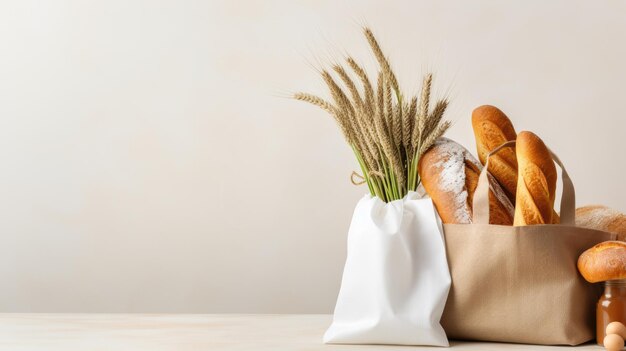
387, 133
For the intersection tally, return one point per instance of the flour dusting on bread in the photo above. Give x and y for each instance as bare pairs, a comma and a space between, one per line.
452, 179
452, 170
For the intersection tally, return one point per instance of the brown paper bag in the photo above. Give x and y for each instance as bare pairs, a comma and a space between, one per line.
520, 284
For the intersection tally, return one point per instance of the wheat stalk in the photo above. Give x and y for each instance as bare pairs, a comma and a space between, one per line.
409, 121
389, 113
422, 112
340, 98
435, 117
388, 136
356, 97
315, 100
382, 60
367, 86
436, 134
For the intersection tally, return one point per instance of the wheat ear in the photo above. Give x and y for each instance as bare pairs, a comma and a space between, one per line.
435, 116
430, 139
340, 98
422, 112
356, 96
367, 85
315, 100
407, 123
382, 60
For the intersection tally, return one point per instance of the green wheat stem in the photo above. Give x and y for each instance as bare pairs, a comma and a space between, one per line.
363, 169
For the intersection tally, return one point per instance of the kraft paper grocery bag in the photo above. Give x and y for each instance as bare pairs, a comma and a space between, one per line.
520, 284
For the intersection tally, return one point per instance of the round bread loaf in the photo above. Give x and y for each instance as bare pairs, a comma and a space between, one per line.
449, 174
602, 218
605, 261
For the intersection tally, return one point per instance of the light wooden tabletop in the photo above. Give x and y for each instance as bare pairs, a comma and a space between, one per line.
157, 332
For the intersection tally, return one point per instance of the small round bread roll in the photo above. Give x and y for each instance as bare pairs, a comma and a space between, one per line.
602, 218
605, 261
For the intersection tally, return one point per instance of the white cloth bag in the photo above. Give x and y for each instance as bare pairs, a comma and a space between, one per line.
396, 278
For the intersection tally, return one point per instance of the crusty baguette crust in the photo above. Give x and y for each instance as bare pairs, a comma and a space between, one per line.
602, 218
605, 261
493, 128
536, 184
449, 174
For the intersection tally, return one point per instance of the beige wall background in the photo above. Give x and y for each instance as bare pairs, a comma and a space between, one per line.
150, 161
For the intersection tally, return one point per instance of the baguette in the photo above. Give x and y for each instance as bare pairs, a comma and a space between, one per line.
536, 183
493, 128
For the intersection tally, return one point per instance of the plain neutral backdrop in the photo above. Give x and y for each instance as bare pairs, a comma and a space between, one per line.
152, 162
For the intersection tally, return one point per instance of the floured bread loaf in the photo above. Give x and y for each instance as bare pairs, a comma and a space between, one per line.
602, 218
449, 174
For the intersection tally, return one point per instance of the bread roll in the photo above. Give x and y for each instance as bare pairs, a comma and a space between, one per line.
536, 182
493, 128
605, 261
602, 218
449, 174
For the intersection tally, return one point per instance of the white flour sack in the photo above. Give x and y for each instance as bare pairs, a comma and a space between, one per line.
396, 279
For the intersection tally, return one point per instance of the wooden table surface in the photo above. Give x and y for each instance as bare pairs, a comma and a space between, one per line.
182, 332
